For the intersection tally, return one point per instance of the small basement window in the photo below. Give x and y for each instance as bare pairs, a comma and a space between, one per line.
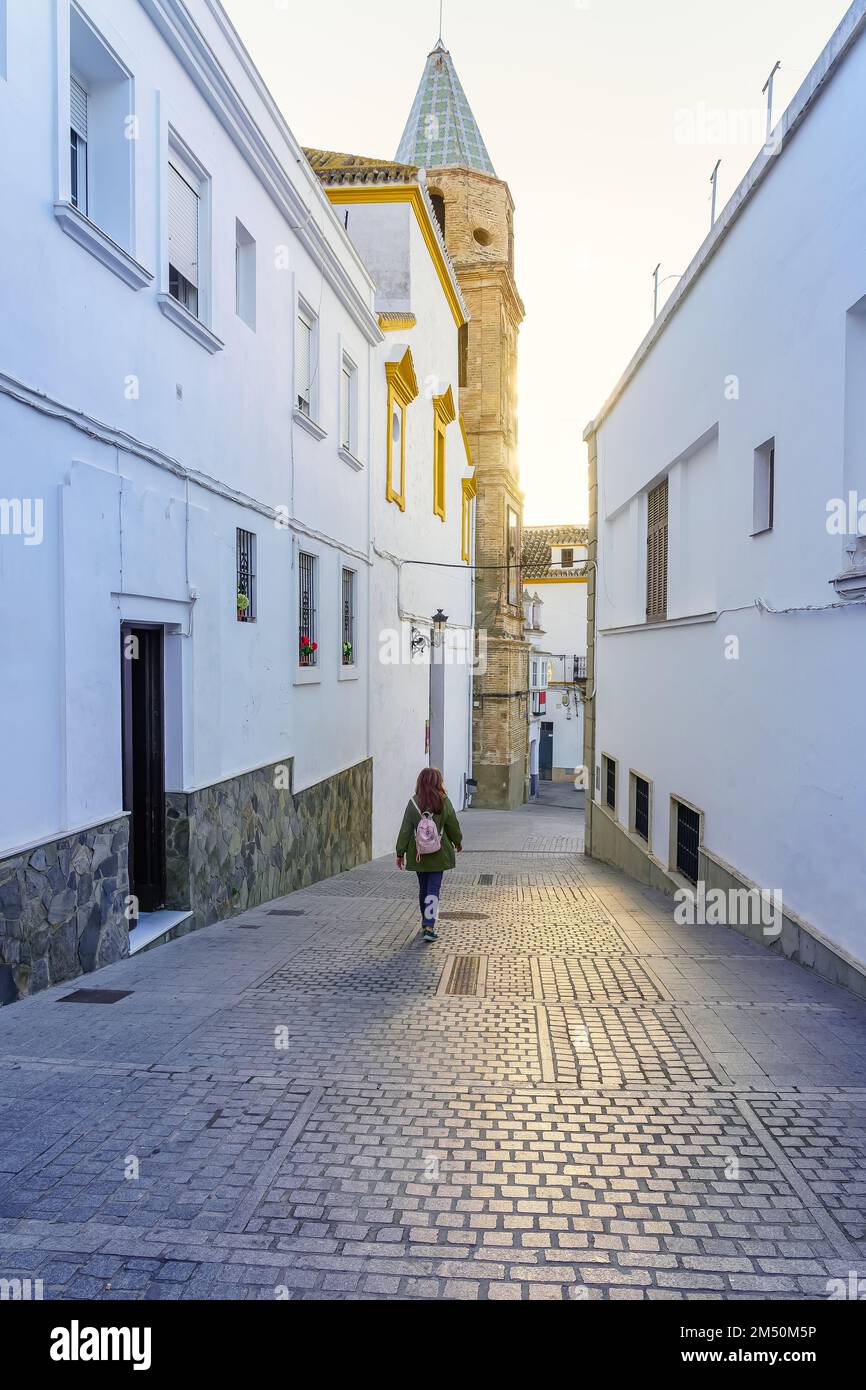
641, 807
609, 778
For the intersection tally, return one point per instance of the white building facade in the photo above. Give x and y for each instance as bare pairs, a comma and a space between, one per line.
727, 722
190, 361
554, 578
423, 489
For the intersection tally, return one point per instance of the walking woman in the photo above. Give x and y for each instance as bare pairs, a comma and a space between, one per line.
428, 838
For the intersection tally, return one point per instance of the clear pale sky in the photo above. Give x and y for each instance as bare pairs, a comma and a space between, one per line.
581, 104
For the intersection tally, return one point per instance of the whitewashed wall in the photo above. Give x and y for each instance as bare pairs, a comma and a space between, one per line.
134, 523
772, 744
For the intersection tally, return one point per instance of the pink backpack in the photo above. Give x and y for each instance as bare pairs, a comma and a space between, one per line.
427, 837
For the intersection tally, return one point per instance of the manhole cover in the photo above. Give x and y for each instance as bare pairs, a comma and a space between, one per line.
464, 916
285, 912
464, 975
94, 996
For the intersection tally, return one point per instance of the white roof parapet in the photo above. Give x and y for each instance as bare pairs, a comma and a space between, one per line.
848, 32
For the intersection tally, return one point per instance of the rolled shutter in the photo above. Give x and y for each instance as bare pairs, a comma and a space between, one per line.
346, 410
183, 204
302, 368
78, 107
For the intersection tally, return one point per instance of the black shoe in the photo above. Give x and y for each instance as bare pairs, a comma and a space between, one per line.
429, 935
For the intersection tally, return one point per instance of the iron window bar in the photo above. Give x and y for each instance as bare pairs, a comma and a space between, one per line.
641, 808
246, 576
348, 617
688, 841
308, 652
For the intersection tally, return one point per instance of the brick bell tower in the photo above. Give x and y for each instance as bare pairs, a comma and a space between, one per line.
476, 214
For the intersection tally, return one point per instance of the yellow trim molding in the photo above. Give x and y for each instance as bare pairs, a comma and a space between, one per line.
402, 391
470, 491
407, 193
469, 457
394, 323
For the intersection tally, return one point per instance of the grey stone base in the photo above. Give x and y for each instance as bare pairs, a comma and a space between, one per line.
62, 909
799, 941
250, 839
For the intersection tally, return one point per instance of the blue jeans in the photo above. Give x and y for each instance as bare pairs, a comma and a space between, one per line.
429, 886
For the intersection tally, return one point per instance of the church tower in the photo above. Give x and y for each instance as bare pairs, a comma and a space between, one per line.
476, 213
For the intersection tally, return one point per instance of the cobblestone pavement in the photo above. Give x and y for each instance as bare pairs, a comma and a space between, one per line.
568, 1096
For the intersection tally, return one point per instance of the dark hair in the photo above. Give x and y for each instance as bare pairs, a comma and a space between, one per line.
430, 790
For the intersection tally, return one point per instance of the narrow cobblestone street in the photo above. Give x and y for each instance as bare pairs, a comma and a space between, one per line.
568, 1096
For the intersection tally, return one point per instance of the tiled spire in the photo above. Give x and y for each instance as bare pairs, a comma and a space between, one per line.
441, 130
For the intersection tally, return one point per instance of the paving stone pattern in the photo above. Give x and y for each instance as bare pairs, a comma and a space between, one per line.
568, 1096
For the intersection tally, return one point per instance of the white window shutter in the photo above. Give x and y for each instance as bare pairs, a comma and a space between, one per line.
304, 356
183, 205
78, 107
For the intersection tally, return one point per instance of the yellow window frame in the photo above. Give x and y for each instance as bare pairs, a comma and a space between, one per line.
402, 391
444, 413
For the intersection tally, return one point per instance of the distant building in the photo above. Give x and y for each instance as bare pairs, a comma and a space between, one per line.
726, 729
476, 214
554, 579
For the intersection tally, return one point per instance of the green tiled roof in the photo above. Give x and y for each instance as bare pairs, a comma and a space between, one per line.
441, 130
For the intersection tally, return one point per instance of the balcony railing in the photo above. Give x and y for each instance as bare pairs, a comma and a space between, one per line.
579, 668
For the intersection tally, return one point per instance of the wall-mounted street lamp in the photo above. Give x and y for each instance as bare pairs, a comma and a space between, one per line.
440, 621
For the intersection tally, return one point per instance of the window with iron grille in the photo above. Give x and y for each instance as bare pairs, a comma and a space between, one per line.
610, 782
567, 559
657, 554
246, 573
688, 841
641, 807
348, 615
308, 653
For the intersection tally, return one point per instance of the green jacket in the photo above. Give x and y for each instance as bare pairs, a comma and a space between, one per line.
449, 833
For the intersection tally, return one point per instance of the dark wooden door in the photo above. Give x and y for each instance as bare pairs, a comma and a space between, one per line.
545, 752
141, 665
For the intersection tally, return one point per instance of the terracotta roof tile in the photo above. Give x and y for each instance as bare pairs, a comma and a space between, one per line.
537, 544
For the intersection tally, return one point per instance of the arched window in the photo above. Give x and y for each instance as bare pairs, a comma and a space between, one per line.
439, 208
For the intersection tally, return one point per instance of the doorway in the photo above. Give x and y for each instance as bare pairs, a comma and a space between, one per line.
143, 735
545, 752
